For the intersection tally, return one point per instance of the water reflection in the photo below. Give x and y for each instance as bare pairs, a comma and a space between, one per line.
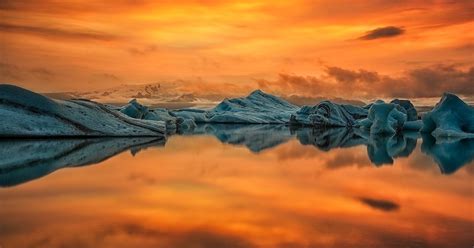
200, 192
450, 155
23, 161
255, 137
383, 205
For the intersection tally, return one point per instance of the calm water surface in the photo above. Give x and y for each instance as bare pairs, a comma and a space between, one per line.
238, 187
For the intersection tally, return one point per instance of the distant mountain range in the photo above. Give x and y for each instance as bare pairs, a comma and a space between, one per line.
149, 94
173, 95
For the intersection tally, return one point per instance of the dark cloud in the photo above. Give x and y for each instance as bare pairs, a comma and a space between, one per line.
57, 33
383, 205
108, 76
143, 50
384, 32
429, 81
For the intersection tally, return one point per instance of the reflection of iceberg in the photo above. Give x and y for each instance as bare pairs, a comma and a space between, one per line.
329, 138
25, 160
383, 149
380, 149
254, 137
449, 154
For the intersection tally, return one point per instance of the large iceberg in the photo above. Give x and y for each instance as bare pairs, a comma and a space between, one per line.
451, 117
328, 114
391, 118
25, 114
256, 108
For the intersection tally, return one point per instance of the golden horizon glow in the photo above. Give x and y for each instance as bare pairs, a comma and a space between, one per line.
84, 45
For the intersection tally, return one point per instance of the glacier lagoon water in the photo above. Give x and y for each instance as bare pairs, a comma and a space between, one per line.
238, 186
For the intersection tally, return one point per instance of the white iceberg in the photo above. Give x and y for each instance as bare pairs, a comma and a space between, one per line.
451, 117
24, 114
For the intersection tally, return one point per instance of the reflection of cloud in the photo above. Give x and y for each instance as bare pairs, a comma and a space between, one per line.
384, 32
157, 237
346, 159
378, 204
204, 239
142, 178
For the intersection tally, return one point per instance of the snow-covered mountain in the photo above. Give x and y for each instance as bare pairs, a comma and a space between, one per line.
175, 95
149, 94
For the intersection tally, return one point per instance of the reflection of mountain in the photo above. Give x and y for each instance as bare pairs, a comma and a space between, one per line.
255, 137
450, 155
26, 160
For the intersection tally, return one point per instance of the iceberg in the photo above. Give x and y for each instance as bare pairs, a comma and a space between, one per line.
328, 114
451, 117
391, 118
409, 109
138, 111
27, 114
256, 108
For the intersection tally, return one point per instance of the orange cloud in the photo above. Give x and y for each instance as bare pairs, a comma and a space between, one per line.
224, 42
430, 81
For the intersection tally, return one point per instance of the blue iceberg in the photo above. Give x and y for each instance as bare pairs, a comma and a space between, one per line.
391, 118
451, 117
328, 114
26, 114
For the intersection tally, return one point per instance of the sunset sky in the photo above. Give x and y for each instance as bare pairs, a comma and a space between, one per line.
328, 48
